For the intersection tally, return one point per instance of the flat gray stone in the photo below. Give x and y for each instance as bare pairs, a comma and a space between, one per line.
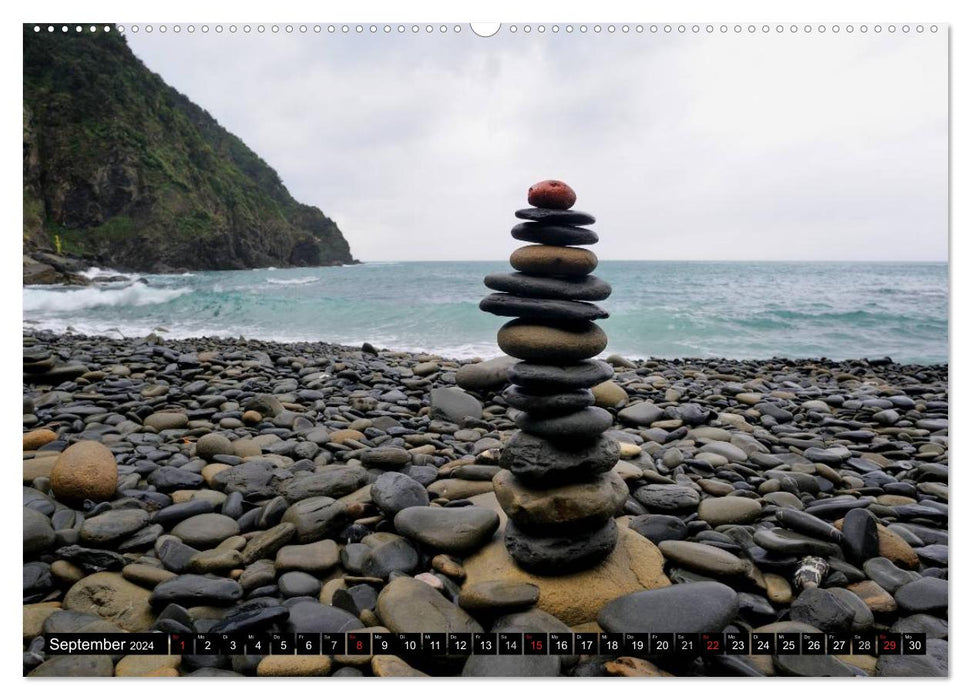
393, 492
450, 530
689, 607
454, 405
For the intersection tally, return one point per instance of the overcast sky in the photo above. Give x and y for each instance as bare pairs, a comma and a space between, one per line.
764, 147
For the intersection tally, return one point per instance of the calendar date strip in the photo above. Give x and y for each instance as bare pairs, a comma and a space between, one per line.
502, 643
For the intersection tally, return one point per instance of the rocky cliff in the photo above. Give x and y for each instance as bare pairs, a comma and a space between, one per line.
122, 170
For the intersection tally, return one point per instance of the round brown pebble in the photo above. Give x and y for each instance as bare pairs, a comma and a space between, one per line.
553, 260
447, 565
85, 471
551, 194
548, 345
505, 595
631, 667
162, 673
340, 436
287, 665
36, 439
393, 667
609, 394
148, 665
66, 571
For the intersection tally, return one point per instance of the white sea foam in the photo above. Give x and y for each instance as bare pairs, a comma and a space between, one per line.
60, 300
95, 272
461, 351
296, 281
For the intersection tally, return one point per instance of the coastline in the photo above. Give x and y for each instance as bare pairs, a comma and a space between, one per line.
318, 346
664, 310
712, 450
47, 267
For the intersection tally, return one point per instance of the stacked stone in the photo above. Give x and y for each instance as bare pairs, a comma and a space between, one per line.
557, 486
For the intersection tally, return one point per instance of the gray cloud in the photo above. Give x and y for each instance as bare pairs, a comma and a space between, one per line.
685, 147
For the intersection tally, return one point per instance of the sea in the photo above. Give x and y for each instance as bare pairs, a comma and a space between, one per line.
738, 310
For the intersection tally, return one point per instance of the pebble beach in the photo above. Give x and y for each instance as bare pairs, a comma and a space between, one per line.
207, 485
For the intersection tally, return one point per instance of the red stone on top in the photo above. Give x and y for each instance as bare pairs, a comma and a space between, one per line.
551, 194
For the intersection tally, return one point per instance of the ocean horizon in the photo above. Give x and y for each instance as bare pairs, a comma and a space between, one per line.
664, 309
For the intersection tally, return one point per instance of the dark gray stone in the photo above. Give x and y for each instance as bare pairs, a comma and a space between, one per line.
933, 627
831, 455
560, 554
174, 554
484, 376
860, 541
386, 458
933, 663
640, 414
554, 234
689, 607
316, 518
658, 528
75, 666
482, 666
393, 492
311, 616
814, 666
212, 444
555, 310
112, 526
552, 378
666, 498
567, 217
388, 553
297, 583
926, 594
534, 459
589, 288
935, 554
38, 533
586, 423
332, 481
862, 615
454, 405
37, 580
356, 599
251, 620
141, 540
167, 479
246, 478
888, 575
353, 556
807, 524
785, 542
177, 512
539, 405
192, 590
451, 530
206, 530
90, 559
823, 609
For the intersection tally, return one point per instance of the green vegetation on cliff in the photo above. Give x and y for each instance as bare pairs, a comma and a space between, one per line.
123, 170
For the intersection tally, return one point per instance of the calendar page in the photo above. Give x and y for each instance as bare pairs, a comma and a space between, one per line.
527, 349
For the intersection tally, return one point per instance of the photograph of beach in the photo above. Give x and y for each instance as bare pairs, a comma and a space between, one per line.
569, 351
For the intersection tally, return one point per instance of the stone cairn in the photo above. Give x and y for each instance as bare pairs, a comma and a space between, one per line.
559, 491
